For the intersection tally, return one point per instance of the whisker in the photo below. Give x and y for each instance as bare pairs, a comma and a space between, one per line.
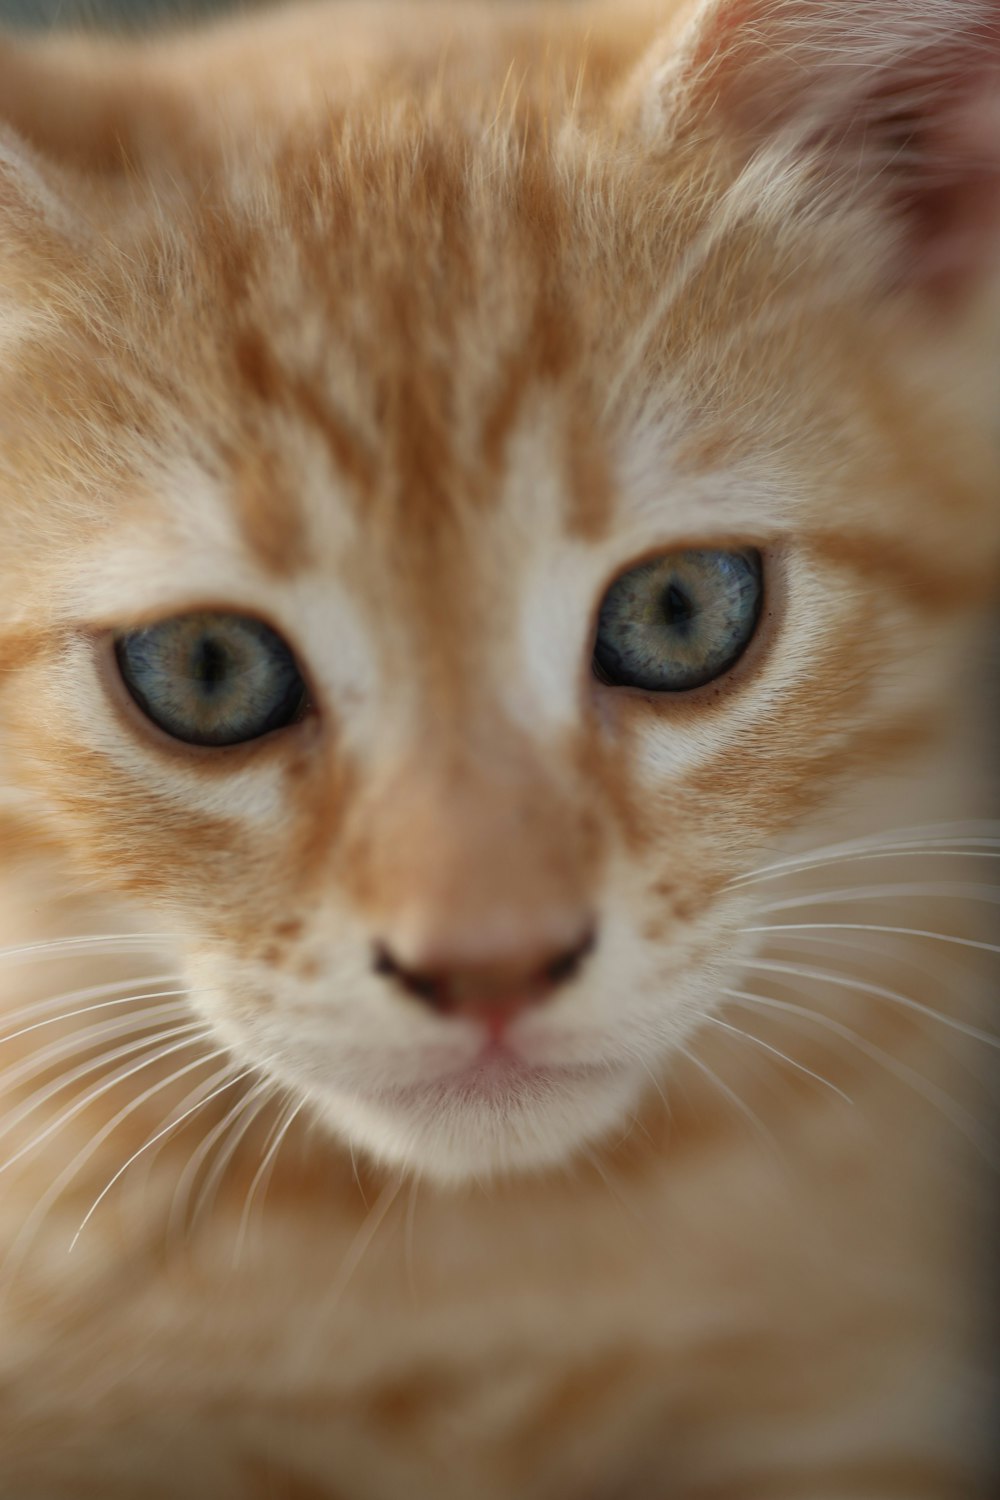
78, 1036
92, 992
739, 1104
261, 1096
629, 1208
105, 943
262, 1175
776, 1052
40, 1062
953, 890
56, 1189
931, 838
177, 1216
362, 1241
165, 1130
920, 1084
356, 1174
898, 851
920, 932
409, 1237
109, 1083
843, 981
635, 1055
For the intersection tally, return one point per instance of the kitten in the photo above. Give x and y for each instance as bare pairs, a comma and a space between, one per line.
499, 520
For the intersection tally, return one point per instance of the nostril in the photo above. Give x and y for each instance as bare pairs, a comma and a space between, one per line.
425, 986
487, 986
567, 964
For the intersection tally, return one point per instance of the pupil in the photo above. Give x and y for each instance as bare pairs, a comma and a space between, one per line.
211, 662
677, 607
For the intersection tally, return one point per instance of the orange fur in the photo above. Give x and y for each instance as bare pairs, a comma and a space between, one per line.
407, 329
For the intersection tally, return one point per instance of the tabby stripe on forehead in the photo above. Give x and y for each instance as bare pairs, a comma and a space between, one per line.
274, 521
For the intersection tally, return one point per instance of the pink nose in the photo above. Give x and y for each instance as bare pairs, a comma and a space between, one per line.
491, 990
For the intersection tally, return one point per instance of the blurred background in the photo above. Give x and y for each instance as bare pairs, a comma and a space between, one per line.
44, 13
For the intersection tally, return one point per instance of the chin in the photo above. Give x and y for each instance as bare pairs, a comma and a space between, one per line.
489, 1120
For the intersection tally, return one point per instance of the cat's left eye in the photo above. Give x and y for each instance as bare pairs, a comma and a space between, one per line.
212, 678
679, 621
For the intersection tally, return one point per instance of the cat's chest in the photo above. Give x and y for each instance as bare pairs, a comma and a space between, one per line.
485, 1298
429, 1343
493, 1344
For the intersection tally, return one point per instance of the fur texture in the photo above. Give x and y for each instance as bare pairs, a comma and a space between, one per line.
408, 330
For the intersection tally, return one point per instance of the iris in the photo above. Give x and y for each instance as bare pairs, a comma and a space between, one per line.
212, 678
679, 621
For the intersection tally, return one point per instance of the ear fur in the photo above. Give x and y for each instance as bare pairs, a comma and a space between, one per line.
52, 135
89, 105
896, 100
26, 200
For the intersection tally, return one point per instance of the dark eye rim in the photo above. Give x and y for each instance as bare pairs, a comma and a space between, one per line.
773, 561
104, 643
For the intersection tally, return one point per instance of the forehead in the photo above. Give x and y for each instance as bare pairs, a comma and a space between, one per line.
398, 335
460, 342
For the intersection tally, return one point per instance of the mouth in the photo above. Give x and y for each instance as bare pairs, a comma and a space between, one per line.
497, 1077
492, 1112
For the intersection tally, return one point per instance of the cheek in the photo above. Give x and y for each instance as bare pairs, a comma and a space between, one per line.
228, 838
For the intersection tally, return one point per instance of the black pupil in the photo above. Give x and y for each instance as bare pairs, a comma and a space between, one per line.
677, 607
211, 662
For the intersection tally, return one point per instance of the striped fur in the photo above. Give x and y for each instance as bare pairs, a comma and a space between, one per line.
407, 329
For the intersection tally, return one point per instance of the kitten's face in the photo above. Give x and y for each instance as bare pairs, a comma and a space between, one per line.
415, 414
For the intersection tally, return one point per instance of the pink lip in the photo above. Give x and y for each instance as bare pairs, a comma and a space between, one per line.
497, 1075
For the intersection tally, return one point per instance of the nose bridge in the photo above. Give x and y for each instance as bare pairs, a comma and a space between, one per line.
473, 847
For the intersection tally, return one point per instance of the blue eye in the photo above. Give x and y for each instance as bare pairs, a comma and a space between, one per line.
212, 679
679, 621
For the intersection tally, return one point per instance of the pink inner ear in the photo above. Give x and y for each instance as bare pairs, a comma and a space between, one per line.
954, 199
903, 95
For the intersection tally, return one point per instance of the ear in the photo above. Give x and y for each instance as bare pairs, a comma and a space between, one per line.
29, 204
94, 105
80, 118
45, 158
893, 103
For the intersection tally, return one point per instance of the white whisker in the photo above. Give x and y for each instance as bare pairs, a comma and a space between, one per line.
919, 932
849, 982
899, 851
962, 1121
951, 890
262, 1175
55, 1191
361, 1243
931, 839
792, 1062
93, 992
409, 1237
177, 1216
739, 1104
634, 1214
165, 1130
260, 1097
105, 943
84, 1039
88, 1099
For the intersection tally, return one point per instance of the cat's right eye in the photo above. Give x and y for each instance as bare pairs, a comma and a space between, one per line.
212, 678
680, 620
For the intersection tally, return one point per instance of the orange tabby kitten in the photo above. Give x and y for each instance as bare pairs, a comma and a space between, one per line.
499, 510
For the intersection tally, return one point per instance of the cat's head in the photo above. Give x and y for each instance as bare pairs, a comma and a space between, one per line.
448, 531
